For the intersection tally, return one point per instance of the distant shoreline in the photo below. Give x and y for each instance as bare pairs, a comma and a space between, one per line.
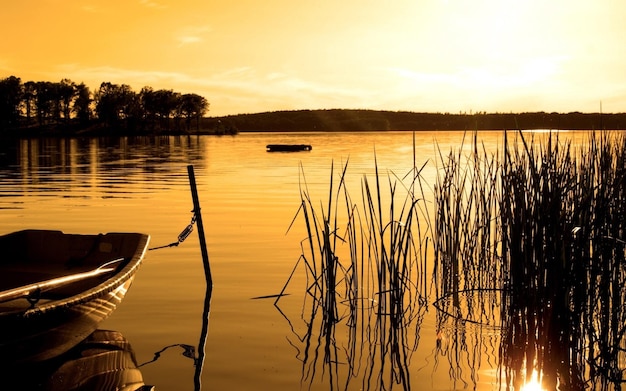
343, 120
372, 120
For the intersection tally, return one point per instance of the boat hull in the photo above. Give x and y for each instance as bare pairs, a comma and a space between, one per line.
43, 336
39, 328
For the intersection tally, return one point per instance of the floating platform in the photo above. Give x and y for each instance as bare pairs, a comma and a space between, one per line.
288, 147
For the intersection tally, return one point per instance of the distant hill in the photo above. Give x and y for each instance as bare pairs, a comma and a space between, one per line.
372, 120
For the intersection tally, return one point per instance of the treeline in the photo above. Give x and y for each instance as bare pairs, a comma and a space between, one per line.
372, 120
33, 108
36, 106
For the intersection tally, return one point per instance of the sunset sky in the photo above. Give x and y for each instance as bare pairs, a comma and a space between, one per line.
252, 56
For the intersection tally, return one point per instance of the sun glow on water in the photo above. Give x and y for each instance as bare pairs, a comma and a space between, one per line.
533, 384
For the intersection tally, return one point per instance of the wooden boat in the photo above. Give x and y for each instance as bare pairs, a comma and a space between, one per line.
288, 147
56, 288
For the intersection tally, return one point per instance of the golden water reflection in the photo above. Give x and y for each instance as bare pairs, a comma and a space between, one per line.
249, 200
534, 383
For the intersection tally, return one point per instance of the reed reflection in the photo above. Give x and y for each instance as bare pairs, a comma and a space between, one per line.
468, 334
364, 304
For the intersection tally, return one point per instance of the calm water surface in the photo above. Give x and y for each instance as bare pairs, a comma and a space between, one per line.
249, 198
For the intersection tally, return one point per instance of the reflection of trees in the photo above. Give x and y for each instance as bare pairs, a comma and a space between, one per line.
364, 304
56, 163
468, 325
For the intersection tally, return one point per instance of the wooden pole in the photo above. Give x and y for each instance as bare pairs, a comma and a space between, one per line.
196, 210
199, 361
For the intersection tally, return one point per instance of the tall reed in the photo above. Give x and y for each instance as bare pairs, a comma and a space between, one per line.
601, 245
465, 229
552, 223
363, 263
529, 241
536, 226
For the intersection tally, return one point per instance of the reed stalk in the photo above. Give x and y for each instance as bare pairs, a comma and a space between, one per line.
363, 265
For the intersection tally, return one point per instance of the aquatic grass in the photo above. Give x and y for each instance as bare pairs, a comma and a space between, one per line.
536, 229
602, 240
564, 256
362, 264
544, 226
528, 243
465, 234
466, 270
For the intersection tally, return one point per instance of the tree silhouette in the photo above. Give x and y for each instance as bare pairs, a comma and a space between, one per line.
66, 92
10, 99
115, 104
45, 101
29, 98
193, 106
82, 104
166, 105
149, 103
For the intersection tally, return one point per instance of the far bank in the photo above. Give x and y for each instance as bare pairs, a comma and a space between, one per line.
373, 120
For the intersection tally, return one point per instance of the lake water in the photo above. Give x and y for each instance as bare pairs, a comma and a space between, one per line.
249, 198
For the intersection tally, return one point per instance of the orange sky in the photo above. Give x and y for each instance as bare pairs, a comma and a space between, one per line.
251, 56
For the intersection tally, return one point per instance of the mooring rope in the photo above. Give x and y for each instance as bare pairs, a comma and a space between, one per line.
182, 236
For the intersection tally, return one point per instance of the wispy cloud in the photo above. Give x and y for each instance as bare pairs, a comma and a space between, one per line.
249, 89
192, 34
420, 76
119, 75
188, 39
152, 4
242, 89
4, 65
92, 8
521, 74
235, 73
89, 8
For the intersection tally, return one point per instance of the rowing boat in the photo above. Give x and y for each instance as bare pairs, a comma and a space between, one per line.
56, 288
